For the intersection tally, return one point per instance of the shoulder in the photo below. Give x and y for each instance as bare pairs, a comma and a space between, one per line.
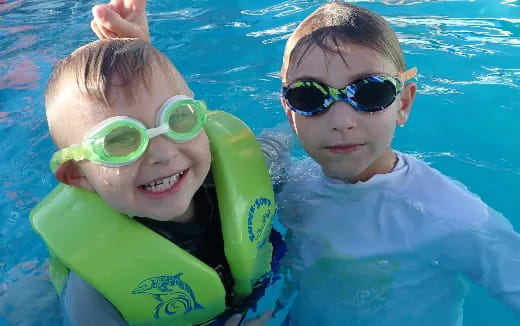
440, 195
84, 305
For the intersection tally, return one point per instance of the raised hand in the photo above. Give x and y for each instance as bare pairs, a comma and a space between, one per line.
121, 18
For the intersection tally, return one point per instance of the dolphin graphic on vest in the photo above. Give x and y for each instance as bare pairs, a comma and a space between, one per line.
174, 295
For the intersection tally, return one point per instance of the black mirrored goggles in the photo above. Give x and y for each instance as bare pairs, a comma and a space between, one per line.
369, 94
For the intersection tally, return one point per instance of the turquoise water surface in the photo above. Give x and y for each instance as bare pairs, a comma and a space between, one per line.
464, 123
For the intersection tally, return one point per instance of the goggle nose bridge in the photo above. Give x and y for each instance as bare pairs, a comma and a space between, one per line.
154, 132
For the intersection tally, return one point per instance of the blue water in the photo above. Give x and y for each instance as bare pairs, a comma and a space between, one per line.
464, 122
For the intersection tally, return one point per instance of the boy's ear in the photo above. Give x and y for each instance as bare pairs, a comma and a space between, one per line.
70, 174
406, 101
288, 113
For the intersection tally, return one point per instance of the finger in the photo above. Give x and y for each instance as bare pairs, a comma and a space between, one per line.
98, 11
139, 6
96, 30
111, 23
128, 7
108, 33
101, 32
118, 6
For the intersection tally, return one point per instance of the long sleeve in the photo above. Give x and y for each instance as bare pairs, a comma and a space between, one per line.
82, 305
491, 257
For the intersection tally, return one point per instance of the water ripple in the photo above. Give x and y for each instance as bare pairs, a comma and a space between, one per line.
284, 29
465, 37
496, 76
513, 3
181, 14
436, 90
503, 166
285, 8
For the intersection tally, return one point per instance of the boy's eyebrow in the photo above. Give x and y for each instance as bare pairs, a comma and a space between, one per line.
353, 79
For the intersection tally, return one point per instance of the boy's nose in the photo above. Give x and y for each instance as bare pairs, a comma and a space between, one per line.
342, 116
161, 150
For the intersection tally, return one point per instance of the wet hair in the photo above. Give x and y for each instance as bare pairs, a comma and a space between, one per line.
338, 23
106, 66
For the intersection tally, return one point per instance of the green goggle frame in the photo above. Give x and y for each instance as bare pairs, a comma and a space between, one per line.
122, 140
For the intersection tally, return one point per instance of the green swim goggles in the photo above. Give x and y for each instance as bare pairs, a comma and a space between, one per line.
122, 140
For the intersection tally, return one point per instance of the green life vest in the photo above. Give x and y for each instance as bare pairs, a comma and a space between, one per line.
150, 280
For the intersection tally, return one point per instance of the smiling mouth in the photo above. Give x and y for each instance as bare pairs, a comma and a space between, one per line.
163, 184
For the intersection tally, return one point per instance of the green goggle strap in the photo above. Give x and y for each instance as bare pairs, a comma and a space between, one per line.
74, 152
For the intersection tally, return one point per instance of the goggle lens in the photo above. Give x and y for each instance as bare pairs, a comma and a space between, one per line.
306, 98
122, 141
374, 95
183, 119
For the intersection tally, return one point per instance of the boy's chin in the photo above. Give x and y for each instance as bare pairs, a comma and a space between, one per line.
179, 216
345, 176
180, 219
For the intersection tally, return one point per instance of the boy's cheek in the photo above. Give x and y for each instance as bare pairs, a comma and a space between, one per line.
99, 178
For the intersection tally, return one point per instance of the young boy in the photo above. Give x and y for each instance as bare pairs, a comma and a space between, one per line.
133, 142
376, 237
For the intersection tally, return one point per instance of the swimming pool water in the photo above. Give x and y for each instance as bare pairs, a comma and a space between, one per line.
464, 121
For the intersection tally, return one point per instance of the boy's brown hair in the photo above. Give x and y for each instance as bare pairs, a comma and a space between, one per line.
104, 66
338, 23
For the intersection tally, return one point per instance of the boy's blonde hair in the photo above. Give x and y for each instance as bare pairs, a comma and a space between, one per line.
338, 23
102, 67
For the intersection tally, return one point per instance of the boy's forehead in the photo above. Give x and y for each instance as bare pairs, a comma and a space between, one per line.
73, 104
351, 59
71, 112
147, 98
68, 103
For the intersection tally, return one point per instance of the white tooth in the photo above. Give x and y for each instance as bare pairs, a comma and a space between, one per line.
162, 185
